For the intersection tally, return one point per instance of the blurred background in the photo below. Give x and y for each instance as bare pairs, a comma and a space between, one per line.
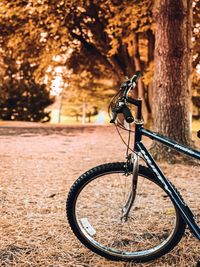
62, 61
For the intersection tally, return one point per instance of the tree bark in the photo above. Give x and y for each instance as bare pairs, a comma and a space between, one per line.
172, 94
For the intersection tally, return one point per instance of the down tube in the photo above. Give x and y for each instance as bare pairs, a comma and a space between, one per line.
186, 213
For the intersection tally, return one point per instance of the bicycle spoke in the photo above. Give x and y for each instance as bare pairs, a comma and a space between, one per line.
150, 225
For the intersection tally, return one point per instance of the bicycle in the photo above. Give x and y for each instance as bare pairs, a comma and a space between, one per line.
126, 211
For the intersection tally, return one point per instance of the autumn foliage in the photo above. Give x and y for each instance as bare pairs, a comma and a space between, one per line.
89, 39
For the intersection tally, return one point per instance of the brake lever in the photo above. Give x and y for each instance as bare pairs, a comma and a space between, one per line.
114, 115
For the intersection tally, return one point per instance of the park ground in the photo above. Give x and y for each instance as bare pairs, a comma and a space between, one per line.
38, 164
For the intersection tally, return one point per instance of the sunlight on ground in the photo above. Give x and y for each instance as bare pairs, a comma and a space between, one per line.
101, 118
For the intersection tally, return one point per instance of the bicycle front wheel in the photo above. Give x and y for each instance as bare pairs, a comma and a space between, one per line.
94, 209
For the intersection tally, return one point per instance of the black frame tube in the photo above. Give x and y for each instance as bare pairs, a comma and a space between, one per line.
185, 211
170, 143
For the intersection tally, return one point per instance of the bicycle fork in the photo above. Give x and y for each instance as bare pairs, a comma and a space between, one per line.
131, 198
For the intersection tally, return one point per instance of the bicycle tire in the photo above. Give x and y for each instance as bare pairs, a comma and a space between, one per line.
91, 225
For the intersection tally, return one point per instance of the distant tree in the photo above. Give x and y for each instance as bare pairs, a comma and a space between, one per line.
172, 83
102, 35
196, 60
85, 97
21, 98
196, 96
20, 101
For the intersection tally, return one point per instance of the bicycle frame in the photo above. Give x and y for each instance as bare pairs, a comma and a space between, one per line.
185, 211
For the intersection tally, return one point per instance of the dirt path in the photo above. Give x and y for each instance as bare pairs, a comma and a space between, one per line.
36, 171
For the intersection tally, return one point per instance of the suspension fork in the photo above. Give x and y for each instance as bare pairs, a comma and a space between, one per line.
131, 198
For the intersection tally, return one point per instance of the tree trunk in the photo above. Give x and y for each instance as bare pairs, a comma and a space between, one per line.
172, 94
83, 112
77, 117
138, 67
151, 48
60, 108
151, 45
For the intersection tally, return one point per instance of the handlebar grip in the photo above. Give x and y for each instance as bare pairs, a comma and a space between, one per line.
127, 114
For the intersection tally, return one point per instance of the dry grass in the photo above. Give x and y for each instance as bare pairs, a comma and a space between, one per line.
36, 172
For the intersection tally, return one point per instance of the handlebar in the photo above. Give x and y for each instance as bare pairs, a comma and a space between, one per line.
120, 106
125, 111
135, 77
127, 114
129, 84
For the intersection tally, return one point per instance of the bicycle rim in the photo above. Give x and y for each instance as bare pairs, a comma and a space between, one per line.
153, 224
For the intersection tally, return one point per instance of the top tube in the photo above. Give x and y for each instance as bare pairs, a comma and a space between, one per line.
170, 143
